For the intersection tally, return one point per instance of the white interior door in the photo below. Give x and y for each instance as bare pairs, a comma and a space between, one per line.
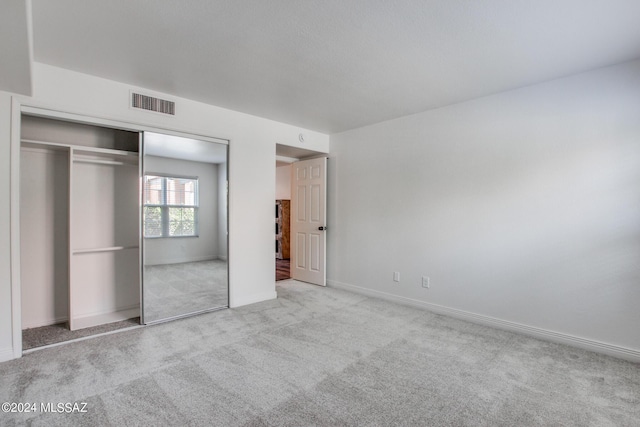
308, 221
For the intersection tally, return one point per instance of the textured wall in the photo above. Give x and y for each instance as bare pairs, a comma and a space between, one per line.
522, 206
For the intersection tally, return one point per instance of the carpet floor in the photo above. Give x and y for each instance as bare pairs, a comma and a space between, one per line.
177, 289
324, 357
53, 334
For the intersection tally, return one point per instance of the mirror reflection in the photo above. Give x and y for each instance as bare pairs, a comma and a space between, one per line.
184, 216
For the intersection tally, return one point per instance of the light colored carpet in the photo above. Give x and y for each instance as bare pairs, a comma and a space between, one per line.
176, 289
324, 357
52, 334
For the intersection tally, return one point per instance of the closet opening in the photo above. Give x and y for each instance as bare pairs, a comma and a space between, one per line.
79, 230
118, 228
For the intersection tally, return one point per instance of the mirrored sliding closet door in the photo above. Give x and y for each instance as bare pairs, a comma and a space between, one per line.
184, 226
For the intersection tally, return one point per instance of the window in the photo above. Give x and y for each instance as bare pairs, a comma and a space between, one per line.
170, 206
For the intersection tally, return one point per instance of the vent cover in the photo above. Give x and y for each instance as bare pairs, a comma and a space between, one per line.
153, 104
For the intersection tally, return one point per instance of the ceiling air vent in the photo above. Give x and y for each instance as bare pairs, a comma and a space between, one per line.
153, 104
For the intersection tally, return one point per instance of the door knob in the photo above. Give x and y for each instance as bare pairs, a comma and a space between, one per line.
322, 228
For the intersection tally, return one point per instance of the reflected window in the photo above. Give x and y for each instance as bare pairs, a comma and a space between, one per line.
170, 206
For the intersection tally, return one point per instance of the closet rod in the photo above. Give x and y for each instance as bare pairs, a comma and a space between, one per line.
109, 249
100, 162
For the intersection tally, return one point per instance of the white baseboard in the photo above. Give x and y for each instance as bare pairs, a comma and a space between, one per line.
44, 322
545, 334
252, 299
6, 354
88, 321
222, 257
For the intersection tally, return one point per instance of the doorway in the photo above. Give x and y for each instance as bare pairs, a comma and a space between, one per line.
287, 158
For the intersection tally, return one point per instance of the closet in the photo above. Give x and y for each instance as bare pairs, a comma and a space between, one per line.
79, 224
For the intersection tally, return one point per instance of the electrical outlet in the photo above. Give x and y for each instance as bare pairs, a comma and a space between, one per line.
396, 276
426, 282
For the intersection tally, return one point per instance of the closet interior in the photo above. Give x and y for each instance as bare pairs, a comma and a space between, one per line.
99, 251
79, 224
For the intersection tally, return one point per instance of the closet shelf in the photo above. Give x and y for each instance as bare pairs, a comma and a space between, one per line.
31, 143
107, 249
83, 148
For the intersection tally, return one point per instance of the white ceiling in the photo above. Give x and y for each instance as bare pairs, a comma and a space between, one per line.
333, 65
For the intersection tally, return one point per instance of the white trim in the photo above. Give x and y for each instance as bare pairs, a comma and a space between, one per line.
14, 237
252, 299
545, 334
100, 318
70, 228
140, 226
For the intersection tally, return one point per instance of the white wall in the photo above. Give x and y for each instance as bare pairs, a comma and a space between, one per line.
44, 236
187, 249
251, 179
283, 182
523, 207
